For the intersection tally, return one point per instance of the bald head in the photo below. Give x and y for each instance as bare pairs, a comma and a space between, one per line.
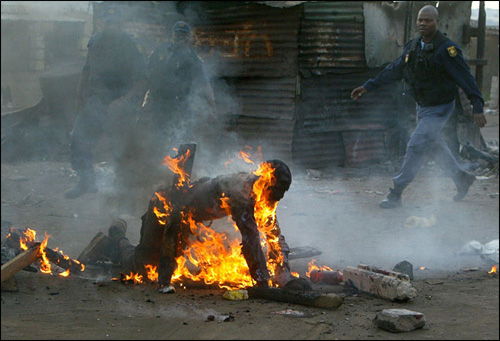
427, 21
431, 10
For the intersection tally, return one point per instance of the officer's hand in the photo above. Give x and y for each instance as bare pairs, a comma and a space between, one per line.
358, 92
480, 119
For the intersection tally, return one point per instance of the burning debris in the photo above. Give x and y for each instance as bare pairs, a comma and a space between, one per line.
20, 250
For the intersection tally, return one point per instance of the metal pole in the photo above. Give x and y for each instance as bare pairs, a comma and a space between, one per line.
481, 33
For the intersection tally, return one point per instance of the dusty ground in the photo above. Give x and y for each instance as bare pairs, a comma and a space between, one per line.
338, 214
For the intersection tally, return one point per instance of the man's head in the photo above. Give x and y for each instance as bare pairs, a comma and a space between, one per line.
427, 22
181, 32
111, 19
283, 179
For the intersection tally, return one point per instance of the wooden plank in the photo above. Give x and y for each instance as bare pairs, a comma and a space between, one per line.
19, 262
309, 298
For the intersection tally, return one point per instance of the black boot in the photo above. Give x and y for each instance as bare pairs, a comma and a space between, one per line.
393, 198
86, 184
463, 181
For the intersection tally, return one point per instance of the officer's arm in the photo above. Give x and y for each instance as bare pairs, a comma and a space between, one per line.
83, 85
392, 73
459, 71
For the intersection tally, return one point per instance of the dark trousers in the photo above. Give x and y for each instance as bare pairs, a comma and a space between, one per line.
93, 121
428, 138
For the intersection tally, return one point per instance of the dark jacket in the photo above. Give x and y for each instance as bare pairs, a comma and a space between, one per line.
433, 75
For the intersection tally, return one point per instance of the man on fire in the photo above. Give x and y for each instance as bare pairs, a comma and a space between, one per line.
250, 199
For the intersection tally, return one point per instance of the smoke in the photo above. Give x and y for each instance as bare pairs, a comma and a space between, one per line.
339, 215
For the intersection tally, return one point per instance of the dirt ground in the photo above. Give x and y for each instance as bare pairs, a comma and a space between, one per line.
337, 213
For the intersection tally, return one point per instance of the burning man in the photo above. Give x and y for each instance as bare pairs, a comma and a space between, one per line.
249, 198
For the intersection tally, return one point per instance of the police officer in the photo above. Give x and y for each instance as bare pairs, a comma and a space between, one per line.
433, 67
113, 81
177, 82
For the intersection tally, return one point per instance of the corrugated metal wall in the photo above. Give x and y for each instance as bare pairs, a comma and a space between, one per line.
331, 64
253, 47
283, 75
332, 35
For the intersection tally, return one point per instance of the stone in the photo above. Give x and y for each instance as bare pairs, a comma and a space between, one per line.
399, 320
386, 284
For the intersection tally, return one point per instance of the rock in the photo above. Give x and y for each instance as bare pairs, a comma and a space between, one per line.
399, 320
404, 267
382, 283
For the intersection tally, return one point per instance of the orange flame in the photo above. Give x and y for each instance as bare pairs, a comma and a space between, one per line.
45, 266
44, 261
152, 273
176, 165
422, 268
64, 274
245, 156
29, 239
312, 266
265, 216
295, 274
494, 269
136, 278
215, 255
162, 217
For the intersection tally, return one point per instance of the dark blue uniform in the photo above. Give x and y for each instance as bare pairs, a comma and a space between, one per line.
113, 66
175, 74
433, 72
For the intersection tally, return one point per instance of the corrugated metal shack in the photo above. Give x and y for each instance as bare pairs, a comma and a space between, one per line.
289, 67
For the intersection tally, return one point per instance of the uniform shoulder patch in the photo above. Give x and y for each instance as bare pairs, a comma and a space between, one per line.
452, 51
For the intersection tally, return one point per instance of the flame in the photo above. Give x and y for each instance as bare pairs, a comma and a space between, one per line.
136, 278
30, 238
245, 156
265, 216
64, 274
295, 274
162, 217
45, 267
312, 266
422, 268
44, 261
216, 256
152, 273
176, 165
227, 163
494, 269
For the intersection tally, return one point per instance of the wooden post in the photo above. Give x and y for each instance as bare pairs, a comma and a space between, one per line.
309, 298
19, 262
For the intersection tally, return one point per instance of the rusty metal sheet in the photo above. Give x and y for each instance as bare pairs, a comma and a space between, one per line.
326, 105
318, 150
273, 135
265, 97
364, 147
248, 39
332, 35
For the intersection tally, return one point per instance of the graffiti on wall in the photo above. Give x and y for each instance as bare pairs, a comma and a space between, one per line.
243, 42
